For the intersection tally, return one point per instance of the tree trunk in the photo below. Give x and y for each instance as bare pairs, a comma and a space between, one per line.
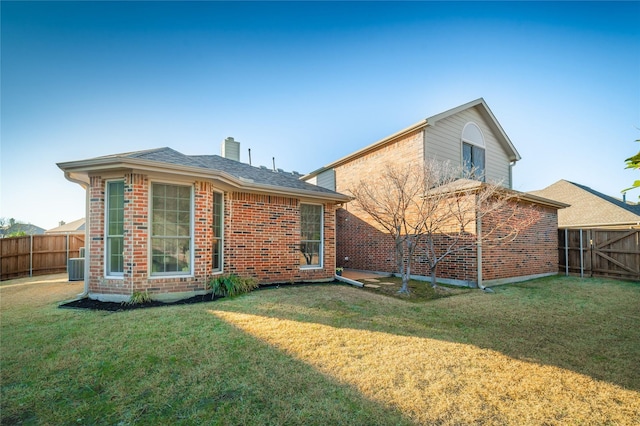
401, 267
434, 284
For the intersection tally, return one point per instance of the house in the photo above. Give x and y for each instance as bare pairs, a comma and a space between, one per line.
76, 227
468, 136
590, 208
164, 222
13, 228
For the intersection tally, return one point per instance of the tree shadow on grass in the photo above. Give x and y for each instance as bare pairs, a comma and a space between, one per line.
177, 365
591, 329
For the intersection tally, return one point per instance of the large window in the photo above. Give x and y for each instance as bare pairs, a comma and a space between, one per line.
473, 149
217, 231
115, 228
170, 229
310, 235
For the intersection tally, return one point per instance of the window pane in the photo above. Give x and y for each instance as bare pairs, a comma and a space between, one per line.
467, 162
217, 215
310, 235
217, 231
217, 255
478, 162
171, 229
114, 227
115, 255
310, 253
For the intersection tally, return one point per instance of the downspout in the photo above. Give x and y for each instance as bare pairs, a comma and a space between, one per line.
479, 250
87, 252
479, 247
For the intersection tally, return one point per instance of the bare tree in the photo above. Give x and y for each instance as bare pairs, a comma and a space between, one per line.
433, 208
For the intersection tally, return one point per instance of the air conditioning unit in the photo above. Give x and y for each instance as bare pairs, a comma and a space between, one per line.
75, 268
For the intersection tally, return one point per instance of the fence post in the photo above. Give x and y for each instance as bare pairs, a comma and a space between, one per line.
31, 255
590, 236
581, 256
566, 252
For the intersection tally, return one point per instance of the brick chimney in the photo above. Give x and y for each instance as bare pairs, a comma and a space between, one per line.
231, 149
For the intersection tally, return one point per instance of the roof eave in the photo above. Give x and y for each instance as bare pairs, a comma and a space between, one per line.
600, 225
470, 186
414, 127
87, 166
542, 201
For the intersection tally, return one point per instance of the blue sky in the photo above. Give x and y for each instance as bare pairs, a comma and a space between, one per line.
309, 82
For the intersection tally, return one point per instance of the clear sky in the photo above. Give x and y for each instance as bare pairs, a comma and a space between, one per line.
308, 83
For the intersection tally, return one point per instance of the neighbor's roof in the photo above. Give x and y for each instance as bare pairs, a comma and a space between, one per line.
229, 172
589, 208
77, 226
479, 103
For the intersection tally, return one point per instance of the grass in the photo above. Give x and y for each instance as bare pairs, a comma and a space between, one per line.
550, 351
419, 291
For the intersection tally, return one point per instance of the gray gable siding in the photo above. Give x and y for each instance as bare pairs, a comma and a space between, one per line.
327, 179
443, 142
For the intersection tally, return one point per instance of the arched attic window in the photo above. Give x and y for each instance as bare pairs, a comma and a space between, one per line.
473, 148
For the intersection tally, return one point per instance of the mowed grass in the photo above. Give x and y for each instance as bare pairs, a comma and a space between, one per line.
419, 291
550, 351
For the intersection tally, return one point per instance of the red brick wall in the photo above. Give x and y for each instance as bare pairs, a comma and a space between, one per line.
95, 245
408, 148
369, 248
534, 251
262, 236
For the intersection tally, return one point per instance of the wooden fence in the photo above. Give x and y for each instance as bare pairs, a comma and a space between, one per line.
37, 254
600, 252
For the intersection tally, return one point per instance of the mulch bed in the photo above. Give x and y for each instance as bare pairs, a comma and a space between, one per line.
97, 305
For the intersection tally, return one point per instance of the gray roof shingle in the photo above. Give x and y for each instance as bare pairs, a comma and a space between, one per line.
588, 206
236, 169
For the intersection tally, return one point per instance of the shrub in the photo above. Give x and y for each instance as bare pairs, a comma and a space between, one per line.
139, 297
232, 285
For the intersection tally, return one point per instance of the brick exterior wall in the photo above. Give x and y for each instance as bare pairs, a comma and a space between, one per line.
261, 240
264, 238
368, 247
406, 149
533, 252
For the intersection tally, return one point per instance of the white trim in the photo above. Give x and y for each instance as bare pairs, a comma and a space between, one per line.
481, 143
165, 275
222, 229
108, 274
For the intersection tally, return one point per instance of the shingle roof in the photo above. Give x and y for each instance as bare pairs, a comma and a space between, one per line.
589, 207
244, 174
77, 226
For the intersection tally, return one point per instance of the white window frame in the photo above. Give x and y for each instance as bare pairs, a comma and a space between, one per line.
477, 143
221, 269
162, 275
107, 192
320, 264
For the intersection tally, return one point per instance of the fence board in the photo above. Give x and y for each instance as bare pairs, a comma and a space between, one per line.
600, 252
37, 254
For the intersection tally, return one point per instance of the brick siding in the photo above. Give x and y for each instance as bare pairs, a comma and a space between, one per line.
261, 239
534, 251
368, 247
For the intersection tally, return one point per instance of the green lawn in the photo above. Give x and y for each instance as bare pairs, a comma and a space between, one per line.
550, 351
